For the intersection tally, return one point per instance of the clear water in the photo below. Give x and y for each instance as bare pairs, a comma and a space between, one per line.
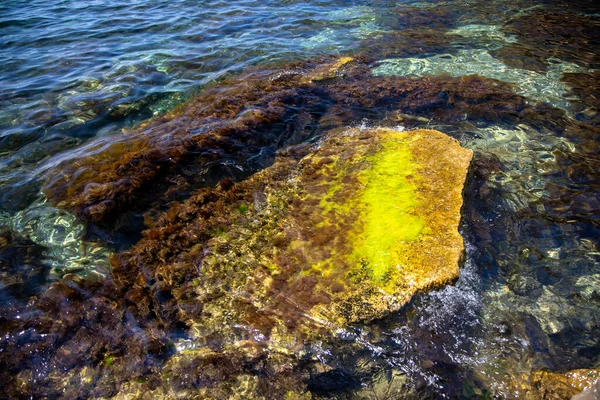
527, 297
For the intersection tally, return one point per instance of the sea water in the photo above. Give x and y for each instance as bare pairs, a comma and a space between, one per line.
527, 296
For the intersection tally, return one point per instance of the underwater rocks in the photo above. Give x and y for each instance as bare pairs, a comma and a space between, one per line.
73, 339
408, 42
219, 131
544, 37
21, 270
438, 17
234, 291
234, 130
586, 86
258, 272
517, 55
348, 233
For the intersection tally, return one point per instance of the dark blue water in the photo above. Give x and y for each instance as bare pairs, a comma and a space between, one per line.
70, 63
76, 72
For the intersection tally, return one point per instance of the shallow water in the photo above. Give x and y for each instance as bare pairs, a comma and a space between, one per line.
74, 75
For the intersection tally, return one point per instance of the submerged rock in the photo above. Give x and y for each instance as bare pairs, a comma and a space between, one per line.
554, 385
350, 232
234, 129
266, 268
22, 271
544, 37
587, 88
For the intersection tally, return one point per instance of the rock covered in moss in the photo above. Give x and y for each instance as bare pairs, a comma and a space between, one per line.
235, 128
348, 232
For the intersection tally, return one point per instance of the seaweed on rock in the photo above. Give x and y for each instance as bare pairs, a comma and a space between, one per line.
237, 262
300, 232
438, 17
74, 331
544, 37
281, 261
253, 272
223, 126
232, 129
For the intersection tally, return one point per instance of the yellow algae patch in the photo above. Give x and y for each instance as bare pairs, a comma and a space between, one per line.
386, 225
341, 62
388, 200
328, 70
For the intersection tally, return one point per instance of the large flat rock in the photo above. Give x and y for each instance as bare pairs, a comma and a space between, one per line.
373, 219
331, 234
386, 223
344, 233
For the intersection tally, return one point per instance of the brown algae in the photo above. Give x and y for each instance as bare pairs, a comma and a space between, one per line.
349, 234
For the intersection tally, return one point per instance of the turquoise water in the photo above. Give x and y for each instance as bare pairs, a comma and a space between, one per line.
74, 75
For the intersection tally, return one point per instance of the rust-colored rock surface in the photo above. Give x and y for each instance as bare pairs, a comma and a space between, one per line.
348, 232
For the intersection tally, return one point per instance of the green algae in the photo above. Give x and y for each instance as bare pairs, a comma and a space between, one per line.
387, 201
109, 360
384, 201
243, 209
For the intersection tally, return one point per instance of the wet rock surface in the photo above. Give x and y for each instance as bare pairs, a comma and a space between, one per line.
234, 130
276, 271
292, 242
546, 37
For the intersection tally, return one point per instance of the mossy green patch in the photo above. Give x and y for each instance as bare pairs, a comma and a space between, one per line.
217, 231
369, 199
386, 204
109, 360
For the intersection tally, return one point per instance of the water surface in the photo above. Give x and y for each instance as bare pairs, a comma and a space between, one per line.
74, 74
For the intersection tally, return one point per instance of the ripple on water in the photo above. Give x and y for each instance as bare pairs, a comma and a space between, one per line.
61, 234
545, 87
527, 297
